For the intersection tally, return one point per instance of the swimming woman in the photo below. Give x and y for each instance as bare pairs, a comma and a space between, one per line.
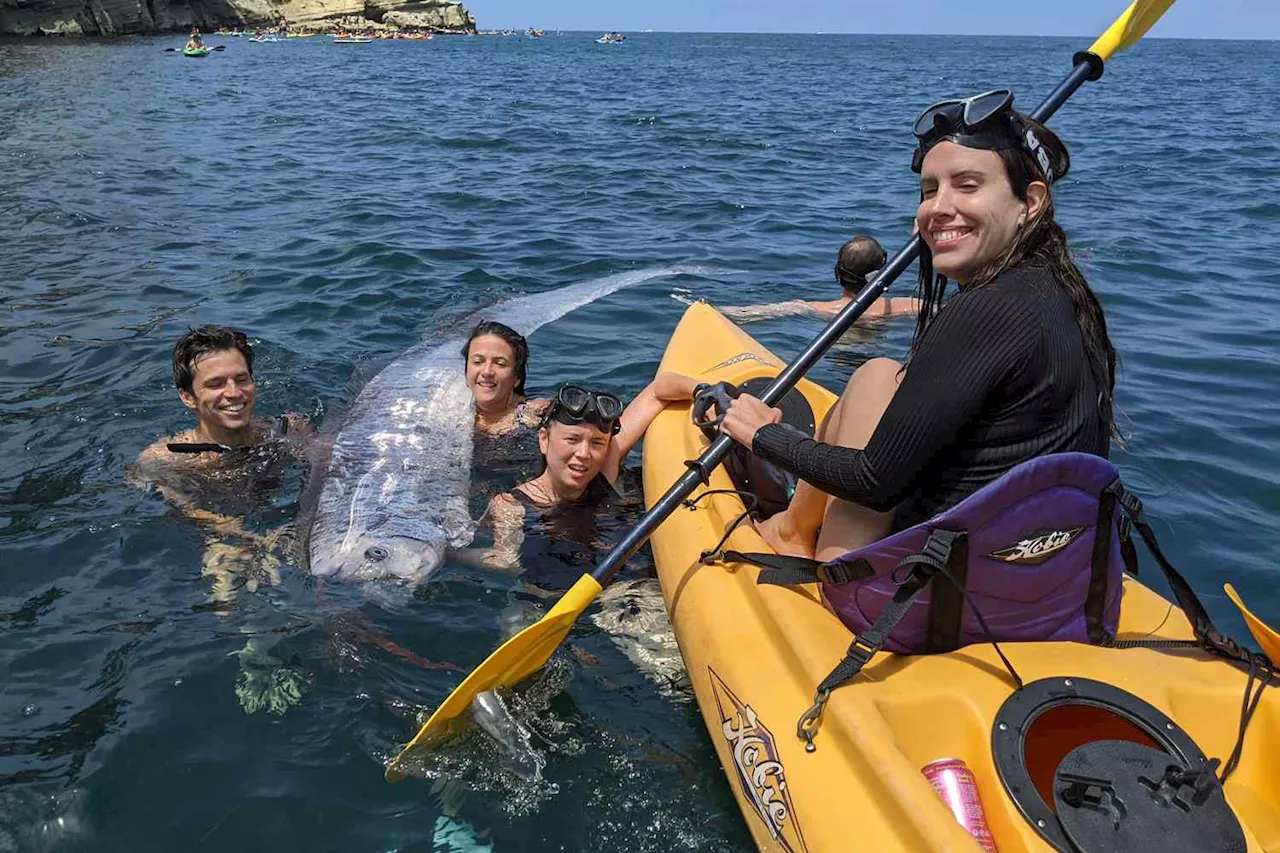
497, 359
1016, 365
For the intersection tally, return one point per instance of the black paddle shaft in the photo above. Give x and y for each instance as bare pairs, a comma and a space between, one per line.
1087, 67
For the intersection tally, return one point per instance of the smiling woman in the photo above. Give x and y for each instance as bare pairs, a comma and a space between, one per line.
1017, 365
497, 360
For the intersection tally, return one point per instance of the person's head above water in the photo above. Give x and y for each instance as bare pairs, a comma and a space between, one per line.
858, 258
986, 206
213, 370
575, 435
985, 173
497, 359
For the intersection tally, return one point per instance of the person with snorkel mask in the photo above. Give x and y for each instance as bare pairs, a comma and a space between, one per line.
1015, 365
584, 437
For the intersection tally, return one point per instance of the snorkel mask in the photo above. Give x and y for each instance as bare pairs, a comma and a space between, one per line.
574, 404
987, 121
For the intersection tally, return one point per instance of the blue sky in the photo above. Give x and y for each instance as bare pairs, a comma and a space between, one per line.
1187, 19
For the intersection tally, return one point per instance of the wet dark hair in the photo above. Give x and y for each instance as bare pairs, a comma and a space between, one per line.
1042, 243
857, 258
197, 343
519, 347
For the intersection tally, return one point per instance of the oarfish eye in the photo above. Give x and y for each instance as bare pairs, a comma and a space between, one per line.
376, 553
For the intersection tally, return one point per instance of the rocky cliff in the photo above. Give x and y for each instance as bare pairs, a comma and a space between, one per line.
119, 17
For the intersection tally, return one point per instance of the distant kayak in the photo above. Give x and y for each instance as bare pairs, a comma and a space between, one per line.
195, 51
352, 40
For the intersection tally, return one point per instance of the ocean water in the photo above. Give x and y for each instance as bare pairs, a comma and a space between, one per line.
339, 203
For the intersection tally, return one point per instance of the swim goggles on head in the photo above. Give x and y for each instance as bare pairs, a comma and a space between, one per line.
987, 121
585, 404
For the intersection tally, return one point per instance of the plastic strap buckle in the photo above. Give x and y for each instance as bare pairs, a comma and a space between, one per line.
842, 573
864, 648
939, 545
1128, 500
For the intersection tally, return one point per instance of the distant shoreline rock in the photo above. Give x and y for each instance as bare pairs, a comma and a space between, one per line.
132, 17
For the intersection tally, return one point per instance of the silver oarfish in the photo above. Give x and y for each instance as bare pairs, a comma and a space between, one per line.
394, 491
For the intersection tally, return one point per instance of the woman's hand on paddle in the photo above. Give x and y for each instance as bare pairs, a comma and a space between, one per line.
746, 415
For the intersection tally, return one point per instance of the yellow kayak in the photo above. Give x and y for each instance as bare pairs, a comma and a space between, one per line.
756, 654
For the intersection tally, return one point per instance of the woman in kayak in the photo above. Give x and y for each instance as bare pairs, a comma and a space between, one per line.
194, 42
584, 438
1016, 365
497, 359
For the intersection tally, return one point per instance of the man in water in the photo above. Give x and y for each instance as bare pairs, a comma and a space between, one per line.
226, 457
858, 259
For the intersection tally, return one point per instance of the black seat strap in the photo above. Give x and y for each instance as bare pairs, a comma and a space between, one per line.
946, 604
787, 571
1261, 669
1206, 633
936, 559
1095, 602
1128, 553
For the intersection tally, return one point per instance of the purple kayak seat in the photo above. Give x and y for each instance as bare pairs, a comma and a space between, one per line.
1026, 550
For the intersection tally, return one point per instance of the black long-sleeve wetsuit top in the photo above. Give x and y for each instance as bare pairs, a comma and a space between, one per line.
1001, 376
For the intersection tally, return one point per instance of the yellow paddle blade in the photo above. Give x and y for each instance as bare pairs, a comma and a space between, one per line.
515, 660
1131, 26
1267, 637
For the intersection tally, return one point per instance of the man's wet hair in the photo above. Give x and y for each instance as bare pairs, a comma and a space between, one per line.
197, 343
857, 258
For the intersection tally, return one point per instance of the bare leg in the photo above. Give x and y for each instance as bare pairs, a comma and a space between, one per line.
843, 525
794, 531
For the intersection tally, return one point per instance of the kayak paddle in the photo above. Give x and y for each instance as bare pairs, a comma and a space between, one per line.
526, 652
211, 50
1266, 636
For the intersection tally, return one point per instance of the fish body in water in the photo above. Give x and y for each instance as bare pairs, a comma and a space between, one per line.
394, 492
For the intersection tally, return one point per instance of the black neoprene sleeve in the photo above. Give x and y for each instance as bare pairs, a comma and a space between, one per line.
980, 342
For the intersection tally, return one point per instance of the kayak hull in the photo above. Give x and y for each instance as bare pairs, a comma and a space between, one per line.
195, 54
756, 653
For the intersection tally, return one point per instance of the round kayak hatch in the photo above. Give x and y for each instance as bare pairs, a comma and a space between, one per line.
1039, 726
1120, 795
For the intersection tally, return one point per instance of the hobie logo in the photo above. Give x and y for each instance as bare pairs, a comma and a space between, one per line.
760, 773
1038, 548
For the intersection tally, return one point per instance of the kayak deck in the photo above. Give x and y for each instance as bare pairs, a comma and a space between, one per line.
756, 653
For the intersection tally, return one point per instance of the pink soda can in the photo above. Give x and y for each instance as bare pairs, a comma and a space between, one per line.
955, 783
